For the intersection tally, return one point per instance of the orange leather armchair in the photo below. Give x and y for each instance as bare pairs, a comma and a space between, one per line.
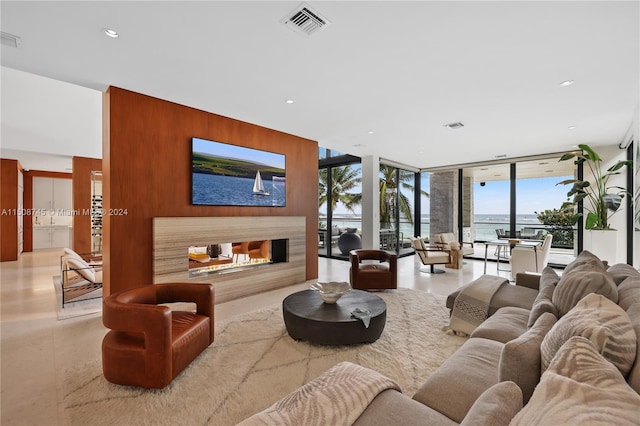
149, 344
238, 249
377, 275
259, 250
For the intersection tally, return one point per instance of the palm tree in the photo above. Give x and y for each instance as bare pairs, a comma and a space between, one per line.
343, 178
388, 189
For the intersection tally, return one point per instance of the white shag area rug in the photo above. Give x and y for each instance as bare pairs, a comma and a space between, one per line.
253, 363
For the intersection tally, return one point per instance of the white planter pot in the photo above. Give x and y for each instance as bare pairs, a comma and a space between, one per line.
602, 243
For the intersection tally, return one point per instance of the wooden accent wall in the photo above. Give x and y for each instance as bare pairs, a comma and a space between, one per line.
82, 168
173, 235
147, 174
8, 209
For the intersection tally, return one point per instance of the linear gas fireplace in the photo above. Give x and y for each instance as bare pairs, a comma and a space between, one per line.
233, 257
263, 252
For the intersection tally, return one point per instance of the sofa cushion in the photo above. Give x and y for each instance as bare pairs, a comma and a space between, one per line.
585, 260
513, 295
506, 324
520, 358
629, 292
621, 271
462, 378
579, 388
392, 407
601, 321
543, 301
634, 374
495, 407
573, 286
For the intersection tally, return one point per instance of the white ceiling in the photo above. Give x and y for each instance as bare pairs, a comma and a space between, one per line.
399, 69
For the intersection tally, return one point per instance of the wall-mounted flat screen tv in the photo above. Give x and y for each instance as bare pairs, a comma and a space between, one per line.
230, 175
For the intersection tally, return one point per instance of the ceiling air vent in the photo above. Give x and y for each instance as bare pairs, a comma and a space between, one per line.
455, 125
304, 20
10, 40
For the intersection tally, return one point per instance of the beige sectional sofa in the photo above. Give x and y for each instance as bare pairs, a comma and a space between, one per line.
570, 358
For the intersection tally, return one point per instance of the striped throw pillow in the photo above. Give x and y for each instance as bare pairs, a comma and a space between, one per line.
581, 388
601, 321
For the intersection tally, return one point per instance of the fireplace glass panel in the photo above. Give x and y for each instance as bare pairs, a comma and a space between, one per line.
235, 256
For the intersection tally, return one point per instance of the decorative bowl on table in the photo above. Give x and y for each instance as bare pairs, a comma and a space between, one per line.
331, 291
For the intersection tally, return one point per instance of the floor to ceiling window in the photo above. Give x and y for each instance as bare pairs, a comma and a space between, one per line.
532, 212
324, 238
490, 202
425, 205
539, 203
339, 204
397, 208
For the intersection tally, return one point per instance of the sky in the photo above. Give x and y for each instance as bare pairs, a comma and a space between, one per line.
220, 149
533, 195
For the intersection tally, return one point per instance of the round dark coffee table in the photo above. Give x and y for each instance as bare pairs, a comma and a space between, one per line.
307, 317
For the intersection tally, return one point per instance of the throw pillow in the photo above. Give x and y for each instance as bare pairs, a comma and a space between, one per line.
601, 321
495, 407
520, 358
629, 292
573, 286
549, 277
585, 261
621, 271
86, 271
541, 307
580, 388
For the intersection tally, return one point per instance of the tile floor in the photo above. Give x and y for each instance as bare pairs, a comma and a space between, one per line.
36, 348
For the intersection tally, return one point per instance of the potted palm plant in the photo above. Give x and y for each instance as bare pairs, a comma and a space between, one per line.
603, 200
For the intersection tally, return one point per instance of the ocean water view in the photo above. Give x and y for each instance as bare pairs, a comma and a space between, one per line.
209, 189
484, 225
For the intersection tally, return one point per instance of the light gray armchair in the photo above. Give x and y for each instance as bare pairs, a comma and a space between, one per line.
430, 256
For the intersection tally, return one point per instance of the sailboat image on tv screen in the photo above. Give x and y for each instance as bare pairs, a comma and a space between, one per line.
258, 186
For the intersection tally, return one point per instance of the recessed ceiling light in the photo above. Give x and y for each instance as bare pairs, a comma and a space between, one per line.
111, 32
289, 101
567, 83
571, 127
370, 132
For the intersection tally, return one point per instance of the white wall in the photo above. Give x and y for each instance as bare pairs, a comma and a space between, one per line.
610, 155
45, 122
